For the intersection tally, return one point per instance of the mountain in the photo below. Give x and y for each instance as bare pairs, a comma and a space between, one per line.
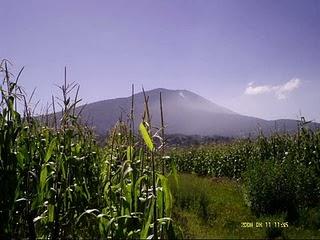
184, 112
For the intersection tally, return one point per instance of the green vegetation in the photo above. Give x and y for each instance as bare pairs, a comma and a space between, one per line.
279, 176
214, 208
55, 181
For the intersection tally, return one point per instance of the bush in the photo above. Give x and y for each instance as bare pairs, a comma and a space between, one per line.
308, 187
310, 217
271, 188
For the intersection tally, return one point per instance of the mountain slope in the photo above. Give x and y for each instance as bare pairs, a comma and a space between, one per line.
185, 112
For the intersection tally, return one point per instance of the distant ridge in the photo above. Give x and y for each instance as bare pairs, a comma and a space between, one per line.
185, 113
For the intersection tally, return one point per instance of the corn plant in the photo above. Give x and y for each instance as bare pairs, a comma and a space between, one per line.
137, 195
56, 182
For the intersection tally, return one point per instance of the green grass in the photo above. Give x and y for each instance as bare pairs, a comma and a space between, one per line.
215, 208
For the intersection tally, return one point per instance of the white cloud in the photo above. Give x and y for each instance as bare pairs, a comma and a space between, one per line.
255, 90
280, 91
181, 94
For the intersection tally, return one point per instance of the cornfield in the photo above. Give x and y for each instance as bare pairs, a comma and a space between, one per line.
280, 173
56, 182
233, 159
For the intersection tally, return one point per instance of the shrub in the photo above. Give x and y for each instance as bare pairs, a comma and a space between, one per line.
271, 188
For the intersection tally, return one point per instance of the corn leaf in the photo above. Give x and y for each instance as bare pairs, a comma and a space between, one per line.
146, 137
50, 150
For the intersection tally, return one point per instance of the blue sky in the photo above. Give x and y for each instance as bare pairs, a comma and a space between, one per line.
258, 58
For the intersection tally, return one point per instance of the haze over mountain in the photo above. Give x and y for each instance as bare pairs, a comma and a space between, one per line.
184, 112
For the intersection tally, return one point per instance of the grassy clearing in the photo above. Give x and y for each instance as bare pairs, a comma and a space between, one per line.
215, 208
